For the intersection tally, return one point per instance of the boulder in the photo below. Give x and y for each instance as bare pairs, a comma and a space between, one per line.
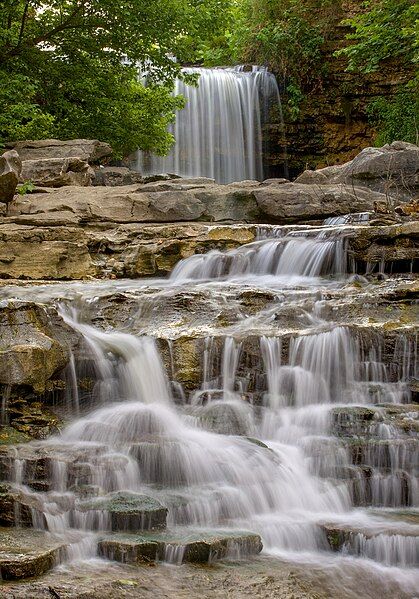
10, 169
89, 150
57, 172
296, 202
26, 553
124, 204
397, 242
111, 176
14, 509
392, 170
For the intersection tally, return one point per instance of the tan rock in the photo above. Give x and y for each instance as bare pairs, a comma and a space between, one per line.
43, 253
29, 352
10, 168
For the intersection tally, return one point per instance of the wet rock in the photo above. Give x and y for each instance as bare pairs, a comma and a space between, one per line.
129, 511
57, 172
11, 436
10, 169
90, 150
15, 509
24, 554
341, 536
30, 352
180, 547
385, 244
225, 418
33, 420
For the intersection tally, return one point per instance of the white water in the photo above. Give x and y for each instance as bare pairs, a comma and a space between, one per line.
138, 439
219, 132
290, 258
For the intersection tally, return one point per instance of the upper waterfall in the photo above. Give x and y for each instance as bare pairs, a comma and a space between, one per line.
219, 132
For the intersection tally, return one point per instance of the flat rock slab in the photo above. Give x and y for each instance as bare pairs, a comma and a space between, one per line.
129, 511
339, 535
175, 547
26, 553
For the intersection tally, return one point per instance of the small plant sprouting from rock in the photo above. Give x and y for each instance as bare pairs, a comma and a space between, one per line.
26, 187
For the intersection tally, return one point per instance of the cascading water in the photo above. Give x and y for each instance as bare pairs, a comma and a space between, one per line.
299, 452
219, 132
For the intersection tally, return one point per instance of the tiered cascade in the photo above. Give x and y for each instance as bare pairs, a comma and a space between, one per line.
305, 437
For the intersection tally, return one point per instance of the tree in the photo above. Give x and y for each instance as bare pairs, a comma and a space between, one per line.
69, 68
388, 31
288, 35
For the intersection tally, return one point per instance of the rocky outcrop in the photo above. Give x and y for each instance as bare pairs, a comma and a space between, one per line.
30, 352
89, 150
186, 201
56, 163
334, 120
294, 202
111, 176
57, 172
200, 547
392, 170
387, 244
128, 511
10, 169
43, 252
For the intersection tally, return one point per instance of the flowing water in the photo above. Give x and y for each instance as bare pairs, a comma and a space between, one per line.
219, 133
285, 433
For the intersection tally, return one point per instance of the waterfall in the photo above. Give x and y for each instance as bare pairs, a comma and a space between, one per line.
291, 257
219, 132
296, 427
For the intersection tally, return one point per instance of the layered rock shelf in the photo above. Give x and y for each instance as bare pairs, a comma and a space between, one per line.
190, 371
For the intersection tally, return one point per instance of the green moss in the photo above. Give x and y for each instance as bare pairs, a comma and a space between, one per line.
11, 436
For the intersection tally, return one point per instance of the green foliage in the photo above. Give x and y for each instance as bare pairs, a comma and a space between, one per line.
295, 97
388, 30
26, 187
209, 37
20, 116
397, 118
61, 71
286, 34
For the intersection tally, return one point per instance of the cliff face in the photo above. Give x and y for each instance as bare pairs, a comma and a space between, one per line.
333, 124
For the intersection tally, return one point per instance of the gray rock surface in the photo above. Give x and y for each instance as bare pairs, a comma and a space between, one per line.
57, 172
185, 201
90, 150
296, 202
392, 170
30, 352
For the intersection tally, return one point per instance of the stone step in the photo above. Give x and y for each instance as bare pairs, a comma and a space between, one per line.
127, 511
392, 544
25, 553
179, 546
15, 509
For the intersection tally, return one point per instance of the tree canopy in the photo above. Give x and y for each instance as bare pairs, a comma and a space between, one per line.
70, 67
388, 31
